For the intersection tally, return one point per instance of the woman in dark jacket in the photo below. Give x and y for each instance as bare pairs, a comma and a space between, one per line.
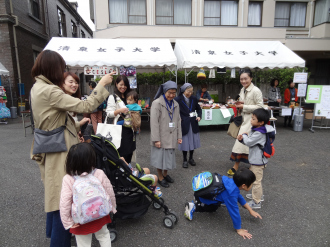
191, 114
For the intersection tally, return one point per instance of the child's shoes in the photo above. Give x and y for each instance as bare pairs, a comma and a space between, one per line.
158, 193
189, 210
254, 205
249, 196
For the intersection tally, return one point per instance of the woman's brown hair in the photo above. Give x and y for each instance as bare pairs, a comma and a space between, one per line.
76, 78
51, 65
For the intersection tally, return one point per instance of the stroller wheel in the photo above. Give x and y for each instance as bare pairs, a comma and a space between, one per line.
113, 235
156, 205
168, 222
173, 216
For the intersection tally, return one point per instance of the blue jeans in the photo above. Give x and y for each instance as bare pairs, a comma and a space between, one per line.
59, 237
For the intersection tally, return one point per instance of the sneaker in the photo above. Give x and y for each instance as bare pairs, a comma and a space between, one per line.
190, 209
158, 193
249, 196
254, 205
231, 172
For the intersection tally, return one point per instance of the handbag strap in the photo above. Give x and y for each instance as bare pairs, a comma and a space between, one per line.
32, 119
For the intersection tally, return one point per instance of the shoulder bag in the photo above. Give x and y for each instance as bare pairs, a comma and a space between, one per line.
234, 126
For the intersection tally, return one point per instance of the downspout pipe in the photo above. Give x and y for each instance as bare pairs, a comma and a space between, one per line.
310, 17
15, 44
242, 20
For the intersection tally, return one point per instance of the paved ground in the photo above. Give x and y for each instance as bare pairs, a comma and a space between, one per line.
295, 211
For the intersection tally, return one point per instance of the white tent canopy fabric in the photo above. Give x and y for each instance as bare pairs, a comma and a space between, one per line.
3, 70
114, 52
235, 54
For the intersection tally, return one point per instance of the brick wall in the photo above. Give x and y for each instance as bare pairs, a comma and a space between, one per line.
27, 42
32, 34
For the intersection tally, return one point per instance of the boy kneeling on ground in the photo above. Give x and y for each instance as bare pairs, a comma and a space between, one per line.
229, 195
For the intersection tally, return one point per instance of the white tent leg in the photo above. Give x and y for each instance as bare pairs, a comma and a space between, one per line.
187, 74
176, 75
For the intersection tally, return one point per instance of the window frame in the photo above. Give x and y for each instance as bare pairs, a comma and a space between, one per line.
62, 23
74, 28
220, 13
31, 8
290, 14
262, 11
314, 18
35, 54
171, 16
128, 15
82, 33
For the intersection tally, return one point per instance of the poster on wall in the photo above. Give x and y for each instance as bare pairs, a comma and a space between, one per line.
130, 72
99, 70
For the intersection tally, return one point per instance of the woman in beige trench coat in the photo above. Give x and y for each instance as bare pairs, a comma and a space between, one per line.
50, 106
249, 100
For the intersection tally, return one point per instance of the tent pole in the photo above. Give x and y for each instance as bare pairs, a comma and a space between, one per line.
176, 74
11, 92
185, 76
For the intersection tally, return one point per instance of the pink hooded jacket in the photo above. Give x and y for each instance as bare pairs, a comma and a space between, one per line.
67, 194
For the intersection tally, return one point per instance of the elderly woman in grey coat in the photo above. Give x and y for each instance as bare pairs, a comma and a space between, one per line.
165, 125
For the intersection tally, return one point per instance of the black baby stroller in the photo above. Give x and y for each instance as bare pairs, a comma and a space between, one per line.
133, 197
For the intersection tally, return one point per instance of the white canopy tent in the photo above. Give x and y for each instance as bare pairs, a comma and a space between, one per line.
78, 52
235, 54
3, 70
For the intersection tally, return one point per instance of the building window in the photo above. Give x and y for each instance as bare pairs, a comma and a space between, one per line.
128, 11
83, 34
61, 23
291, 14
173, 12
255, 14
34, 8
220, 13
35, 55
322, 12
74, 29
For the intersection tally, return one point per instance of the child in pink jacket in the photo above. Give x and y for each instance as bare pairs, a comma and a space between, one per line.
81, 161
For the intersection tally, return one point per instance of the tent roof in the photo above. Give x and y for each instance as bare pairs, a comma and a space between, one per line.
114, 52
233, 54
3, 70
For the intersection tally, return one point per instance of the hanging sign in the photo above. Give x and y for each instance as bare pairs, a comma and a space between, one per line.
208, 115
302, 90
300, 77
99, 70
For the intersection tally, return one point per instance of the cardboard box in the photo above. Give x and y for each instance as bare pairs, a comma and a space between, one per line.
309, 115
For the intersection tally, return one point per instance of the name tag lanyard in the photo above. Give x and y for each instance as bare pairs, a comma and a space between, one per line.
190, 109
168, 111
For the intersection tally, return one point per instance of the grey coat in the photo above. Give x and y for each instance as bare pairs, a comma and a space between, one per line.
256, 141
159, 124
